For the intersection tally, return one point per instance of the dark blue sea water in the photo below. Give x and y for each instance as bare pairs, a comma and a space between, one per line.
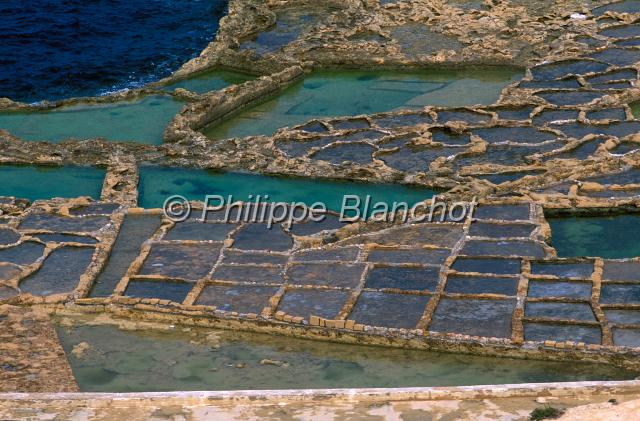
53, 49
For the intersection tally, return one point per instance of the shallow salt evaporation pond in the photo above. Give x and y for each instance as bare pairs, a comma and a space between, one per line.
209, 81
193, 359
141, 120
43, 182
345, 93
609, 237
159, 183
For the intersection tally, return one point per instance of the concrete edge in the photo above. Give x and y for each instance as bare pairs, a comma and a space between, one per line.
370, 394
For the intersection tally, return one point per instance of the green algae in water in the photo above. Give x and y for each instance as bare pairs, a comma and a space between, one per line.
158, 183
609, 237
331, 94
210, 81
125, 361
141, 121
41, 182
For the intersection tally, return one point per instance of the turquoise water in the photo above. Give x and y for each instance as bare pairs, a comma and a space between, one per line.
135, 361
330, 94
142, 121
33, 183
610, 237
158, 183
210, 81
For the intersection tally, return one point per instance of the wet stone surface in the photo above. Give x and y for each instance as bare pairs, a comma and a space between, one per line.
575, 333
342, 253
620, 294
402, 120
502, 248
625, 147
483, 229
569, 97
358, 153
582, 151
8, 236
621, 271
625, 317
570, 83
565, 311
424, 256
491, 318
542, 288
508, 155
416, 159
249, 274
508, 213
329, 223
628, 176
50, 222
60, 272
440, 235
184, 261
65, 238
569, 67
163, 290
563, 269
552, 116
308, 302
23, 253
389, 310
469, 117
514, 134
260, 237
339, 275
403, 278
487, 265
9, 271
607, 114
239, 298
481, 285
505, 177
626, 337
199, 231
240, 257
94, 209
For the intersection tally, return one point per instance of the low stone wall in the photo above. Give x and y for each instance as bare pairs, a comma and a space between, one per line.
150, 310
216, 106
469, 402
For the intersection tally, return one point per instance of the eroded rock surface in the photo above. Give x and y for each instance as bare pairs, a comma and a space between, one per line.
32, 359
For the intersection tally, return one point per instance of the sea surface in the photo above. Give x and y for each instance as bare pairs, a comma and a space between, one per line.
55, 49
